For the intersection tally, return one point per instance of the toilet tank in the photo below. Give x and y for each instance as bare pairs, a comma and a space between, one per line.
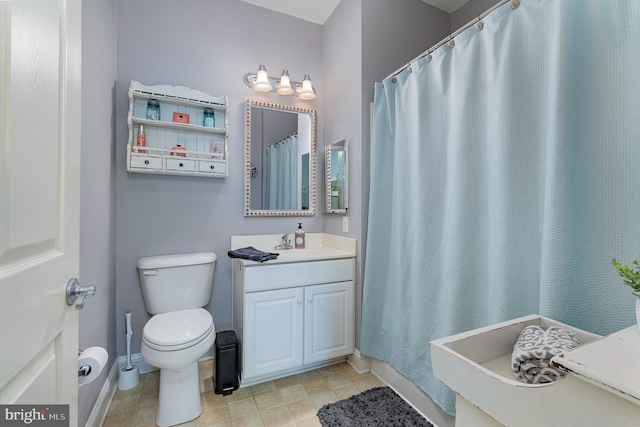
176, 282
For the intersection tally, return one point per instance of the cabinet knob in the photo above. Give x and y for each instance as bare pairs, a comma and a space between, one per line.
146, 162
299, 300
180, 164
212, 167
309, 299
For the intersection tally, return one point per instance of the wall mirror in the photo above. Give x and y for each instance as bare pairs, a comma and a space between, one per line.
336, 177
280, 160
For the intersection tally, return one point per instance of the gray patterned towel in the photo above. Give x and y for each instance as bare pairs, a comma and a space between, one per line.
534, 349
252, 254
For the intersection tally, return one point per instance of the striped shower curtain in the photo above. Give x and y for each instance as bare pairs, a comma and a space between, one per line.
505, 175
282, 174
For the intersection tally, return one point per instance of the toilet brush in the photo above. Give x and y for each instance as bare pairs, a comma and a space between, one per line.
129, 374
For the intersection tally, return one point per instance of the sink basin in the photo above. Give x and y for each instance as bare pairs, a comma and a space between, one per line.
299, 253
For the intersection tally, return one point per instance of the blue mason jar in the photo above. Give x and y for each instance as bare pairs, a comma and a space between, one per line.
209, 119
153, 110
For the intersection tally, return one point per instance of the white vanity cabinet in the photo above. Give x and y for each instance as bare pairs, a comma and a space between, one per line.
203, 149
292, 316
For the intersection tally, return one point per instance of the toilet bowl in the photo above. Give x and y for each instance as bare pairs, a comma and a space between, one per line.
175, 290
174, 342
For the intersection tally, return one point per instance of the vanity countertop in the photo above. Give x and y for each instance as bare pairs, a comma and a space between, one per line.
319, 246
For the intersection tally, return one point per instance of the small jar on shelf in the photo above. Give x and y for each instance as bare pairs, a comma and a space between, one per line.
209, 119
179, 151
153, 109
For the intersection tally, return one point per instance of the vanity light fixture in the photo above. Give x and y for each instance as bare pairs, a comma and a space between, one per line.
282, 86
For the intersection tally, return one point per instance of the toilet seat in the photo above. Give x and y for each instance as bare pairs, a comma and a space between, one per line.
178, 329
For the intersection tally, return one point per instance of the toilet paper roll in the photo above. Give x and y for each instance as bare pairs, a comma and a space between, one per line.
95, 358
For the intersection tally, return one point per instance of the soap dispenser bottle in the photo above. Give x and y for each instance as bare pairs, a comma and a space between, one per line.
300, 238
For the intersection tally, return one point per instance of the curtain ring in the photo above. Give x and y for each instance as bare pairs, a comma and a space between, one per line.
429, 58
409, 69
451, 43
479, 24
515, 4
394, 79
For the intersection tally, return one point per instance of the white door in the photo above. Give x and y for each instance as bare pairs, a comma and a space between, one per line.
39, 200
329, 321
272, 331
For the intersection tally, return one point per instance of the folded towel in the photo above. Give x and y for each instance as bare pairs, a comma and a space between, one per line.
534, 349
252, 254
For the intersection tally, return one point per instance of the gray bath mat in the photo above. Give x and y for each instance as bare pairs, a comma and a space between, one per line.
379, 406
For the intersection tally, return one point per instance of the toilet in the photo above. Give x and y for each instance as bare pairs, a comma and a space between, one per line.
175, 289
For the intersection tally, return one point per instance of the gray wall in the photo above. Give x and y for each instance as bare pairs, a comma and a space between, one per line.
97, 198
207, 45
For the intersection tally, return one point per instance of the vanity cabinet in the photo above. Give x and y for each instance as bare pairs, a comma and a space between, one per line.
183, 113
291, 317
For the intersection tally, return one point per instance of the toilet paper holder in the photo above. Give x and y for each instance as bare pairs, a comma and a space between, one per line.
83, 370
76, 294
91, 363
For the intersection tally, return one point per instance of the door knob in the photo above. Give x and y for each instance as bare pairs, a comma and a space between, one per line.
76, 294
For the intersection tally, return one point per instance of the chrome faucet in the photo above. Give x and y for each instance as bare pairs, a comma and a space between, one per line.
285, 244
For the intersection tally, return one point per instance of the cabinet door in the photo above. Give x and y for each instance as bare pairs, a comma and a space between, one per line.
329, 321
273, 331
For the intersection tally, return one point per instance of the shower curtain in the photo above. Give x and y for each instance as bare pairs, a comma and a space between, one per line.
282, 174
505, 175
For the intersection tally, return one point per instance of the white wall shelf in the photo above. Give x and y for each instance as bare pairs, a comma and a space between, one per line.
204, 149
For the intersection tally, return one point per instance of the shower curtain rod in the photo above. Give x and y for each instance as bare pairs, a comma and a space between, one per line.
514, 5
285, 138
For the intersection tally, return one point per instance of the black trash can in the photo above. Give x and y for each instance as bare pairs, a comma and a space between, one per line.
227, 372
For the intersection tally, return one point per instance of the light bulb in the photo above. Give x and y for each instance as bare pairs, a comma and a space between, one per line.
262, 81
284, 86
307, 89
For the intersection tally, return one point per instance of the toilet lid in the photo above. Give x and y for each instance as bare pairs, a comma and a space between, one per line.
178, 327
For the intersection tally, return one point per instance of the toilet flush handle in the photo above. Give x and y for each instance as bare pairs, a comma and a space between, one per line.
150, 272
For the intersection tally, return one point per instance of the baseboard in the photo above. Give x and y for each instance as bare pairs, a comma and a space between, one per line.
358, 362
420, 401
101, 407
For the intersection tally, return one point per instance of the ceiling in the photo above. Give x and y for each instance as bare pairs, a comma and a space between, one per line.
318, 11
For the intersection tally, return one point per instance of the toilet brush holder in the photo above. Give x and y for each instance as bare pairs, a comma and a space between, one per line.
129, 373
129, 377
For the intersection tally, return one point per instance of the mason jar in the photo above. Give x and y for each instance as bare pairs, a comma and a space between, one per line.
153, 110
209, 119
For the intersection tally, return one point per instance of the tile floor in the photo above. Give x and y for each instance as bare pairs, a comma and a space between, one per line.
290, 401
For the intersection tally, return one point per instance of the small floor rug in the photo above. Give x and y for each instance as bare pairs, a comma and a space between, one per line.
379, 406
